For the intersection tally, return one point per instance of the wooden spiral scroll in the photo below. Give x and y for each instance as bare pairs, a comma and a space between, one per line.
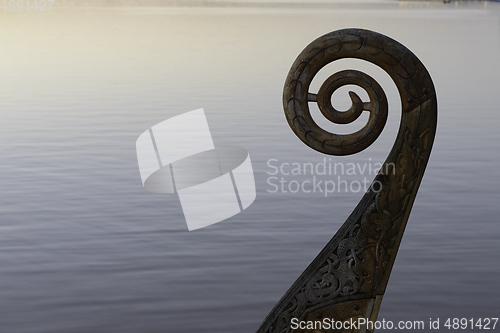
348, 278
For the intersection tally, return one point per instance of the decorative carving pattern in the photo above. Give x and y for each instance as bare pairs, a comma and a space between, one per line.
355, 265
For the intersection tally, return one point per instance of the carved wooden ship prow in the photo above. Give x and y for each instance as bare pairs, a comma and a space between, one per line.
349, 276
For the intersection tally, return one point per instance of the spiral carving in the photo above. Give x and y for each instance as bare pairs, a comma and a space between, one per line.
349, 276
377, 106
350, 43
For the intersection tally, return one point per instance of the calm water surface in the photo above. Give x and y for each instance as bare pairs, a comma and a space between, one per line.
84, 248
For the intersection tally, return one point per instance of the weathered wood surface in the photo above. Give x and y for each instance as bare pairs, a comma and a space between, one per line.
349, 276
